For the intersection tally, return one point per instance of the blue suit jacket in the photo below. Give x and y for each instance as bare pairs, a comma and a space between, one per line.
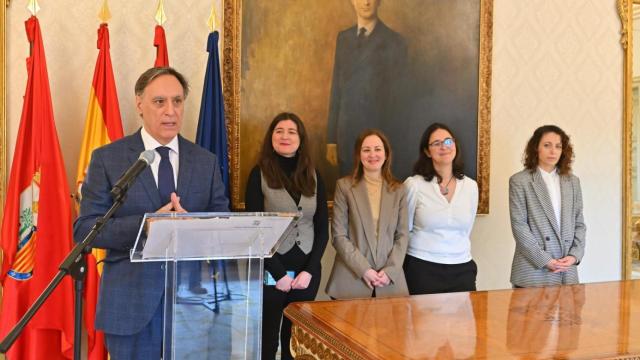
131, 292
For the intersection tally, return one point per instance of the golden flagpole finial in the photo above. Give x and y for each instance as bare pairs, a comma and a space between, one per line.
33, 7
160, 15
104, 14
212, 22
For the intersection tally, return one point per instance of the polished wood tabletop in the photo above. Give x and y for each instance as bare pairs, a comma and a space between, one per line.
587, 321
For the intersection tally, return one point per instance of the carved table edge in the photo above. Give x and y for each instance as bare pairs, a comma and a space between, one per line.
309, 341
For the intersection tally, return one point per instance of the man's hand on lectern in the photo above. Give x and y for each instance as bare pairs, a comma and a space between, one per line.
172, 206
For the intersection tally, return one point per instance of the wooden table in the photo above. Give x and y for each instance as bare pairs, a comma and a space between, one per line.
589, 321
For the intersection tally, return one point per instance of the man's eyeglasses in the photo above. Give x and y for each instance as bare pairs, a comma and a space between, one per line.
448, 142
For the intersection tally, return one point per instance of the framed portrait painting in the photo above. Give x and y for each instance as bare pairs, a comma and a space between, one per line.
347, 65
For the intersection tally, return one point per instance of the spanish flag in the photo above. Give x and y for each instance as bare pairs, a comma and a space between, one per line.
36, 229
103, 125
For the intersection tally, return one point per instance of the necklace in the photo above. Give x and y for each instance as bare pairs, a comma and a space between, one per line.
445, 190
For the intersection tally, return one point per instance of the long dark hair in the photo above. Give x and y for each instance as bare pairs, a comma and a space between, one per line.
303, 180
424, 165
358, 170
531, 151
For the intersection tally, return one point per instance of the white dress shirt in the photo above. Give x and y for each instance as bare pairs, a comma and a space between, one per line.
552, 180
151, 144
439, 230
368, 28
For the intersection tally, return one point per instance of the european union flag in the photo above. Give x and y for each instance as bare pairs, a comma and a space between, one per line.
212, 129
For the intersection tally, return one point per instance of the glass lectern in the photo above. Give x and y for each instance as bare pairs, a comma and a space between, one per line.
213, 282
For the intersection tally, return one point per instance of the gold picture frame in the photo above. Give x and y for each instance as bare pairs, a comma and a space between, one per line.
233, 12
625, 12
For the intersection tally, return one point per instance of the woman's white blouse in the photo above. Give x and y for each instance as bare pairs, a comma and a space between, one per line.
439, 230
552, 180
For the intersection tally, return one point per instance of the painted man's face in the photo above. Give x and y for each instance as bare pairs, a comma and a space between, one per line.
366, 9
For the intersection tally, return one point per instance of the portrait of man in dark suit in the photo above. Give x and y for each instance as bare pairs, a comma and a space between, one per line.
347, 65
370, 60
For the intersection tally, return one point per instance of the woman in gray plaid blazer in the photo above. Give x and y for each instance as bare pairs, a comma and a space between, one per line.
545, 203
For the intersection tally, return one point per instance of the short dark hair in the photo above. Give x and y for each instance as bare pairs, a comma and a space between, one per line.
303, 178
151, 74
530, 157
358, 170
424, 165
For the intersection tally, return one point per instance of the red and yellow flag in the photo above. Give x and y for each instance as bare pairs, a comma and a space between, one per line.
36, 229
103, 125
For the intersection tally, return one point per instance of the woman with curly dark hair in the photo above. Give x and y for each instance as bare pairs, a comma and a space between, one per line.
285, 180
545, 204
442, 205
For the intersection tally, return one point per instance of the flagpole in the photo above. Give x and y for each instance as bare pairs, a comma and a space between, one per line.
75, 265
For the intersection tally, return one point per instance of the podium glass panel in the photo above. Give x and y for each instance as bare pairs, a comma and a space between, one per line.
202, 236
213, 287
215, 310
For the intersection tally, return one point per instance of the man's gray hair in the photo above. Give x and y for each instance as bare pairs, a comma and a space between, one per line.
148, 76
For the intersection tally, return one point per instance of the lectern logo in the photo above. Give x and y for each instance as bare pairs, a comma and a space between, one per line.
22, 268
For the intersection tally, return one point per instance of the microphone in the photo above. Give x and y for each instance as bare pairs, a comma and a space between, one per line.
120, 188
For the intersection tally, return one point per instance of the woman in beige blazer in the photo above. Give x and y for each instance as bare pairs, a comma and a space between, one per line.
545, 204
369, 228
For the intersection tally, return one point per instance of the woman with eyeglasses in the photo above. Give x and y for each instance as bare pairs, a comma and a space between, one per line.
369, 225
442, 205
545, 204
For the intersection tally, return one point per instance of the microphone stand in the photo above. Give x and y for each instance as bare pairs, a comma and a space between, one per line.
75, 265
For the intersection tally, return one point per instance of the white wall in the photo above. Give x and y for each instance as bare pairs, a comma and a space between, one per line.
554, 61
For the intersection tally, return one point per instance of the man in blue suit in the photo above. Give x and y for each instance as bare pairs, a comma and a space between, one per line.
183, 177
